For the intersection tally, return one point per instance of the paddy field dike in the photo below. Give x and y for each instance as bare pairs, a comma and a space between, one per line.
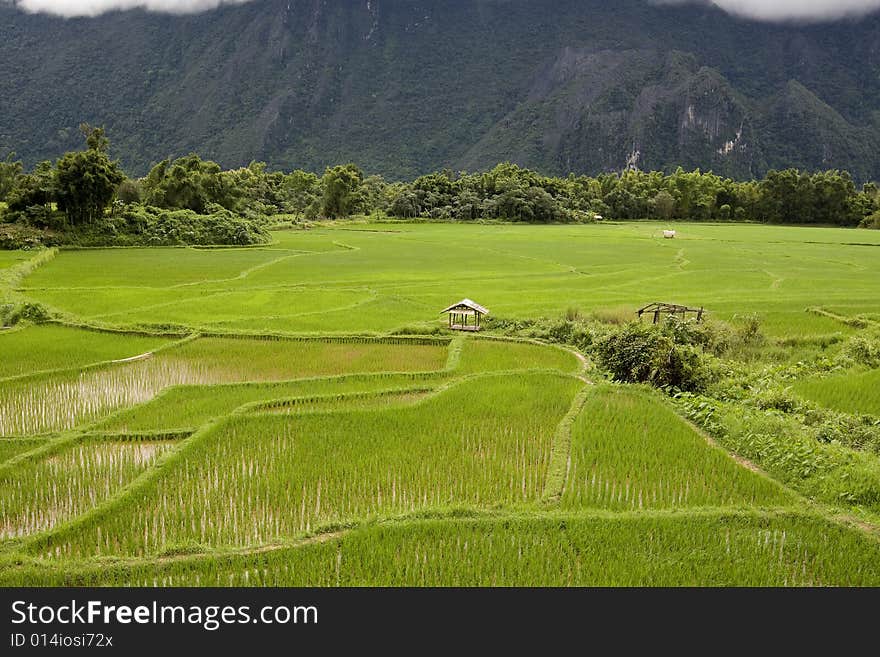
299, 414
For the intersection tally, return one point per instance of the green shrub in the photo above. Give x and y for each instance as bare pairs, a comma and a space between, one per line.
871, 221
20, 236
856, 431
749, 329
137, 225
712, 336
11, 313
639, 353
861, 350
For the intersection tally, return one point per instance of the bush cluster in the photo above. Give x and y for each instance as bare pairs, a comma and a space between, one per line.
137, 225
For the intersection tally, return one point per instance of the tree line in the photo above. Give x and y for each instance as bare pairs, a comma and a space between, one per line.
87, 186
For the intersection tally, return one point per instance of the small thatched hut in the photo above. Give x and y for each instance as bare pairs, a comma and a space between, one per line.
460, 315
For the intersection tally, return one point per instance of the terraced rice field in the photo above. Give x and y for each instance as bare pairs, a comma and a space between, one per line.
298, 415
256, 480
631, 452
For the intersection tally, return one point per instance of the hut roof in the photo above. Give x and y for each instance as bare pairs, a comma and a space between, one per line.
466, 303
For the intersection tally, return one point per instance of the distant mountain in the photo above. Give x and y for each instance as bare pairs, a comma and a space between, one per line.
403, 87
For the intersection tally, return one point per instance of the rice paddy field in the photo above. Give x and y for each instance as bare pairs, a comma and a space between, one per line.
298, 415
852, 393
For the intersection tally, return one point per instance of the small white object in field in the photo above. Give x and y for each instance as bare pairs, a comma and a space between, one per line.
669, 234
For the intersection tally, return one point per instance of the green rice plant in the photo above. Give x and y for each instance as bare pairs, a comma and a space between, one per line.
521, 271
192, 406
12, 275
255, 480
52, 346
374, 313
55, 403
36, 495
67, 401
13, 258
630, 451
12, 447
150, 267
235, 359
717, 549
263, 308
349, 402
850, 392
497, 355
621, 493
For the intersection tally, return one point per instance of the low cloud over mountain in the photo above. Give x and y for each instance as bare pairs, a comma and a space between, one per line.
790, 10
97, 7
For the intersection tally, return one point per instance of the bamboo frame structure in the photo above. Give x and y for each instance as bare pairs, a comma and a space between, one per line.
659, 308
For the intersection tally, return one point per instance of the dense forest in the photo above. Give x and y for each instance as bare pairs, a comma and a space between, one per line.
86, 198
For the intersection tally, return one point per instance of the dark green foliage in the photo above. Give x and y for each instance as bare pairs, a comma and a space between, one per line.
301, 194
797, 197
10, 170
188, 183
506, 192
129, 192
148, 226
858, 432
86, 184
645, 353
20, 236
11, 313
862, 350
511, 193
342, 191
32, 193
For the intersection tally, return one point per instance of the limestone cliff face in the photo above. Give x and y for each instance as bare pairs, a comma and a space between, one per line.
407, 86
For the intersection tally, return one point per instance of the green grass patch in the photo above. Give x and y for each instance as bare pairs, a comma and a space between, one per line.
493, 355
12, 447
149, 267
850, 392
517, 271
236, 359
12, 258
50, 346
